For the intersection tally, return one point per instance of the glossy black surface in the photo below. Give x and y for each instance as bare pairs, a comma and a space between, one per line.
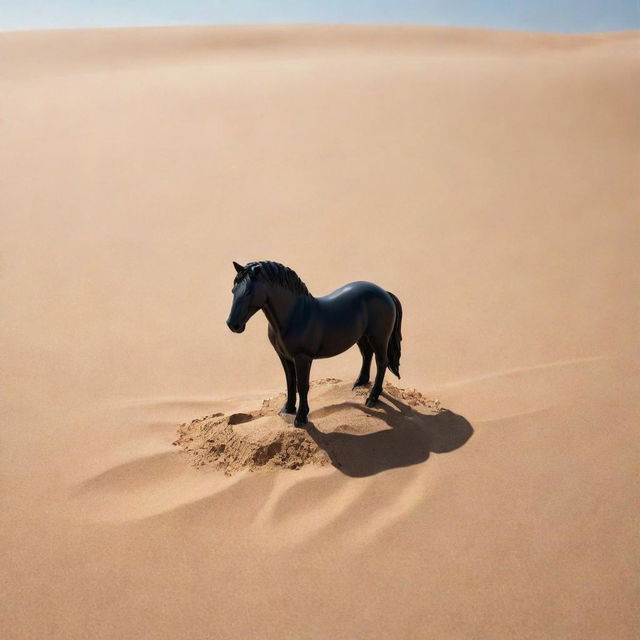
302, 327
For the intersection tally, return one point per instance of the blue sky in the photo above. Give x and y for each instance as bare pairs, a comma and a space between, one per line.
533, 15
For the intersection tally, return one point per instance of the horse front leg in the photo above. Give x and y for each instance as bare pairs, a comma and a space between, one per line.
303, 368
290, 373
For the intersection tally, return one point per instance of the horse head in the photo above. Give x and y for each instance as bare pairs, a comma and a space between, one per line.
249, 295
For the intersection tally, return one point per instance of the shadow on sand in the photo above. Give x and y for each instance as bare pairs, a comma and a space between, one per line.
412, 436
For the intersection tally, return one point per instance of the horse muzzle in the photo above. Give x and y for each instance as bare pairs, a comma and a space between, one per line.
236, 328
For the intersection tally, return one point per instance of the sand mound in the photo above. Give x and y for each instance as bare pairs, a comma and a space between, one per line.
402, 430
248, 441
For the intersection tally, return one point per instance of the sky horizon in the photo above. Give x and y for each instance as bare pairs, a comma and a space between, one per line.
563, 16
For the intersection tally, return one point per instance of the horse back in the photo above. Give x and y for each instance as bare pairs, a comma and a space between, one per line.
353, 310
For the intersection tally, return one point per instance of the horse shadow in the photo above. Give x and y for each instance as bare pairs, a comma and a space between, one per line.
412, 436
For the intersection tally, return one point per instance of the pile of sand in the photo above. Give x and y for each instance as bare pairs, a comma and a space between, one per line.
402, 430
259, 439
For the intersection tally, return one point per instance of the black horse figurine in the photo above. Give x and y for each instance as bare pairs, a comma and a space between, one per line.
302, 327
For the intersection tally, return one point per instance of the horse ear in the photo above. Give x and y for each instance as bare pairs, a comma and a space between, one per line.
238, 267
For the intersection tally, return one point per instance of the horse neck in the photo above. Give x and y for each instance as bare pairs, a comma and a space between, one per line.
280, 306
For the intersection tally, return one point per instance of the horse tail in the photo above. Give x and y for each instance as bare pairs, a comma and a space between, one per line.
393, 350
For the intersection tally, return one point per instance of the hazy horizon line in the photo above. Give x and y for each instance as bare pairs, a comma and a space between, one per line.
165, 25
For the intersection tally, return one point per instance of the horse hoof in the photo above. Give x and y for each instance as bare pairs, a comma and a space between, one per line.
371, 402
287, 410
300, 421
357, 384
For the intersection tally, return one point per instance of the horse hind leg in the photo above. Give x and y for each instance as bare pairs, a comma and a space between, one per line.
367, 354
380, 346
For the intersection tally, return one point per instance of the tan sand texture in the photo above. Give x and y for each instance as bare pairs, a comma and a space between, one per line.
488, 179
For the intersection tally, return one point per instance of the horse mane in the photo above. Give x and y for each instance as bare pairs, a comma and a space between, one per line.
275, 273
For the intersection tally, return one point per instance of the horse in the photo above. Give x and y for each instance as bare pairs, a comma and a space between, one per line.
303, 328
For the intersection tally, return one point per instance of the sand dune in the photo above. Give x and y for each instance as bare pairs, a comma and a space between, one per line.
488, 179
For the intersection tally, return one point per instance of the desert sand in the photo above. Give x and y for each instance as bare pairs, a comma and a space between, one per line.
488, 179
